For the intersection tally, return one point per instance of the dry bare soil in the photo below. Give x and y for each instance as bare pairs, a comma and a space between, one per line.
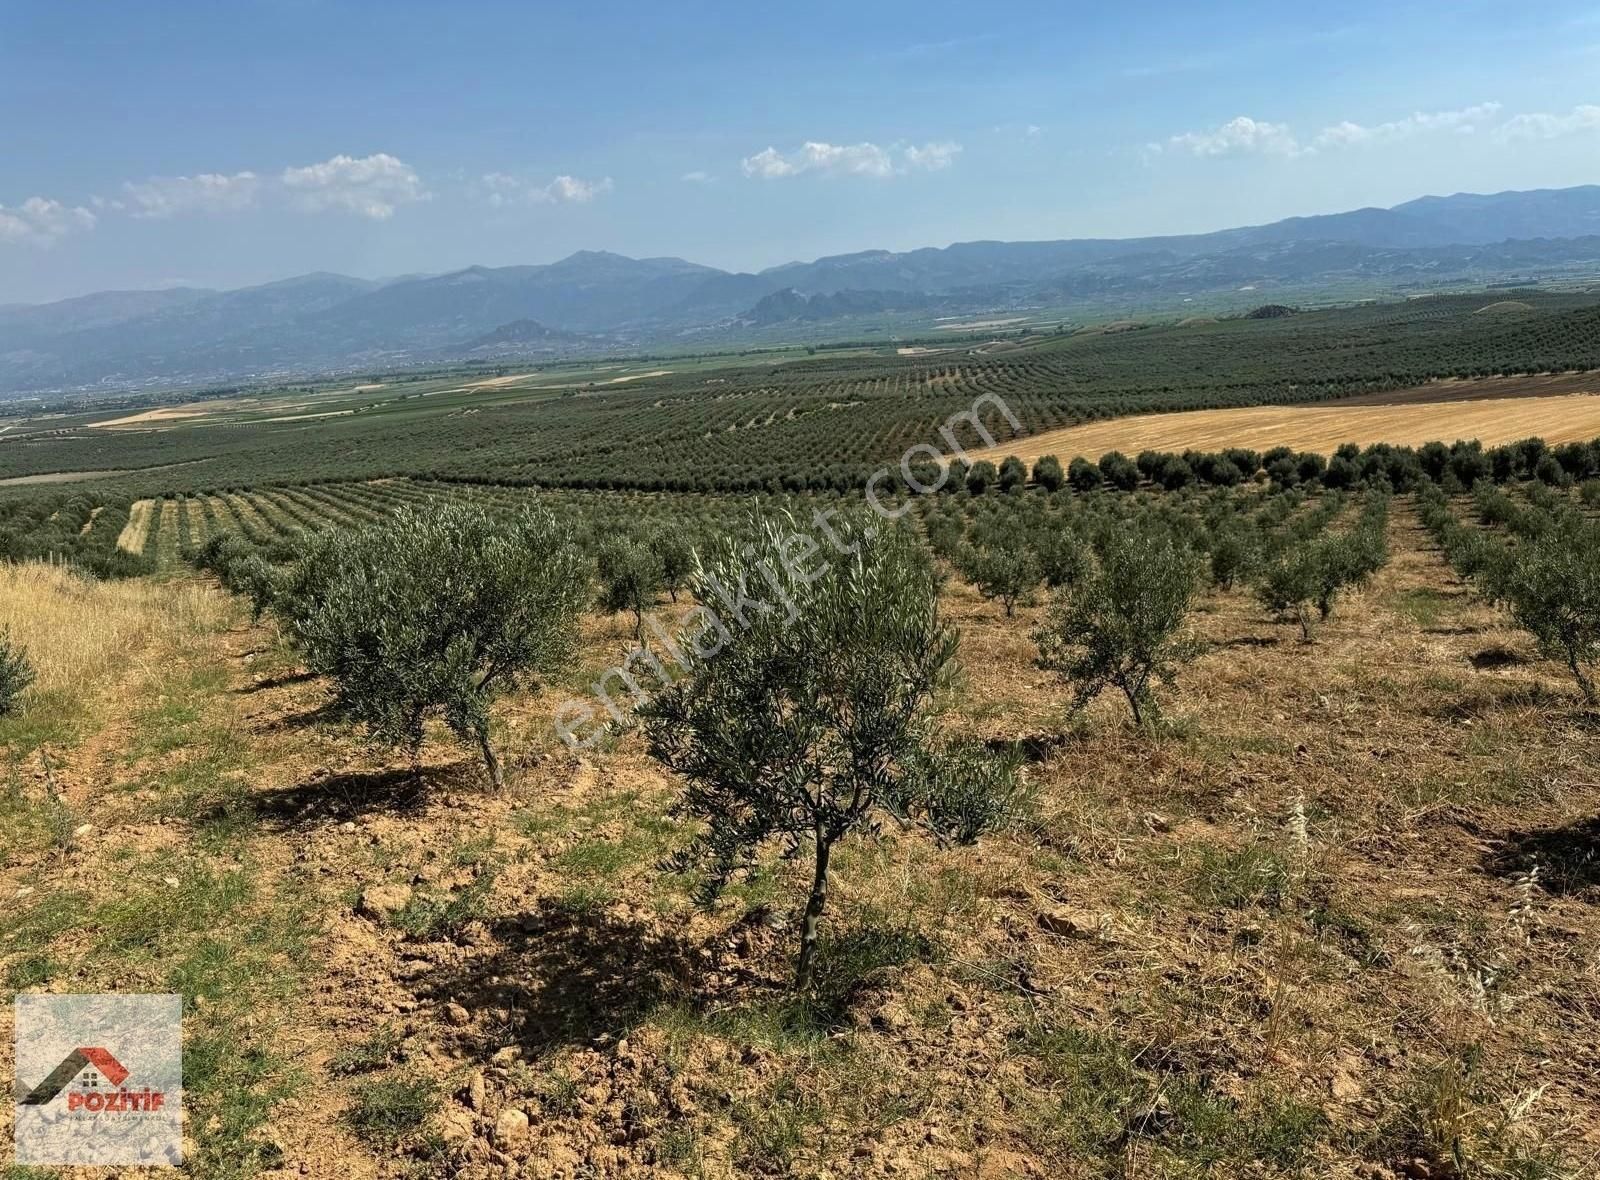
1337, 916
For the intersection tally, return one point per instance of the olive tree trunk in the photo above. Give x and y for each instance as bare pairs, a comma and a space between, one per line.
814, 907
491, 761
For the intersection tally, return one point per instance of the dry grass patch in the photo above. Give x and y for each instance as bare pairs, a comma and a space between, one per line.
82, 635
140, 515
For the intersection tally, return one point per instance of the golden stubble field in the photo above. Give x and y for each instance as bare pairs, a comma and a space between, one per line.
1404, 419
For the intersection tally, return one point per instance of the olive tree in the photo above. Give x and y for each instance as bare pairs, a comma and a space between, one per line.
815, 718
980, 477
436, 612
630, 577
1231, 554
1121, 625
1120, 471
1317, 571
16, 674
676, 558
1084, 475
1290, 584
1552, 587
1008, 572
1062, 557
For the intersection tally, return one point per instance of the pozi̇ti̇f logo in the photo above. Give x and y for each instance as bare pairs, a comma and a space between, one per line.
99, 1079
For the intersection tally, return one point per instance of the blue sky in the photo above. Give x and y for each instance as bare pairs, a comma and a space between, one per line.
162, 143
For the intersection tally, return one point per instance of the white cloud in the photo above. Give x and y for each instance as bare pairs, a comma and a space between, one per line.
370, 186
932, 157
501, 189
1463, 122
210, 192
857, 159
697, 177
39, 221
1247, 136
572, 190
1579, 120
860, 159
1241, 136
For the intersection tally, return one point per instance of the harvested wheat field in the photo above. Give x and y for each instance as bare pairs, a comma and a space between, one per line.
1323, 428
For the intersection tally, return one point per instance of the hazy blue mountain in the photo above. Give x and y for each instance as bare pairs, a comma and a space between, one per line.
596, 300
789, 305
1462, 220
522, 339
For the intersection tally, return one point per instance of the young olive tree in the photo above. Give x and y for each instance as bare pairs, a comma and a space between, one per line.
436, 612
1121, 626
630, 578
1318, 569
1292, 583
676, 558
815, 718
1552, 587
1231, 555
1063, 559
16, 674
1008, 572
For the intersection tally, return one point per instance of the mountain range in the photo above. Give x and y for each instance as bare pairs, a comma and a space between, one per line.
592, 302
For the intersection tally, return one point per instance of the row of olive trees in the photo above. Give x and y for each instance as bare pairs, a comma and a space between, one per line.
798, 731
1124, 586
1547, 576
1314, 571
1011, 555
1455, 467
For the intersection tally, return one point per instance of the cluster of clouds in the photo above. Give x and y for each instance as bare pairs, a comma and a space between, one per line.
856, 159
374, 187
367, 186
371, 187
500, 190
1247, 136
39, 221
